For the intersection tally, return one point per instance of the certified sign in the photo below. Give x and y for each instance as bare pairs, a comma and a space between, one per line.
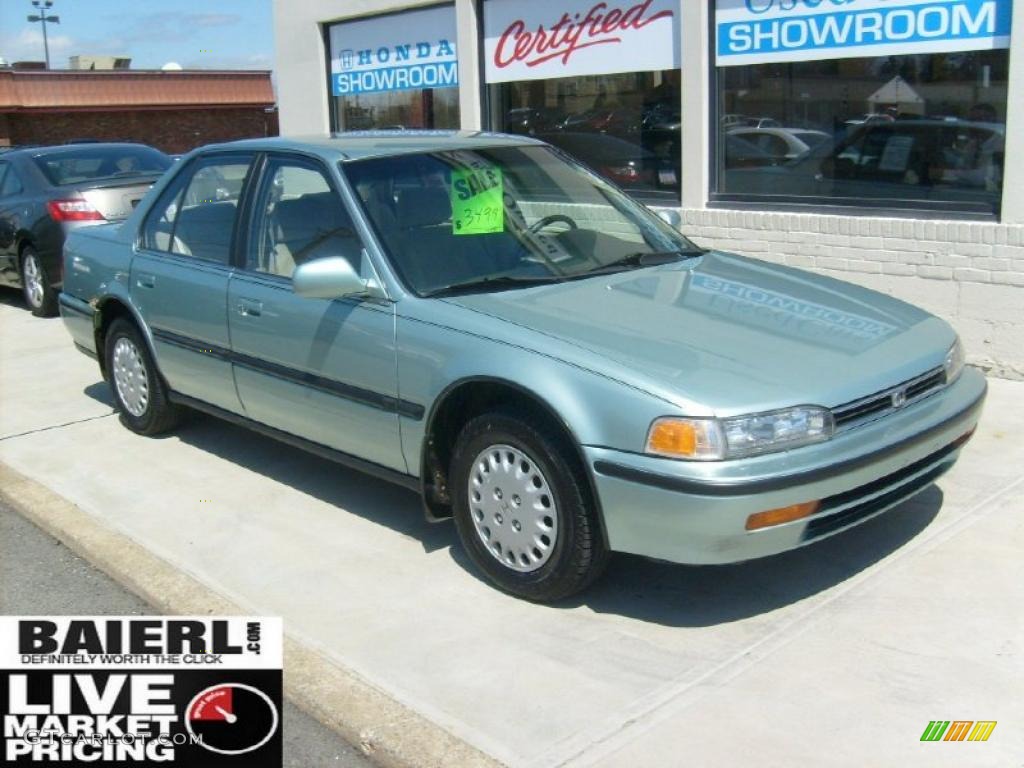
538, 39
399, 52
764, 31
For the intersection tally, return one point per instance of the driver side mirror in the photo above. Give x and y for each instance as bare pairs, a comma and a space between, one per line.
331, 278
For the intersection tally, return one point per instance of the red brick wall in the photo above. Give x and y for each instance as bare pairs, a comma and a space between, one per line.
173, 131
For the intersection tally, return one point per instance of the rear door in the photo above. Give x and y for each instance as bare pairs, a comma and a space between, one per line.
180, 274
320, 369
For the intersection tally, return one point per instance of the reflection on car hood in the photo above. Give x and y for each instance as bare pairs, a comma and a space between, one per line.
734, 334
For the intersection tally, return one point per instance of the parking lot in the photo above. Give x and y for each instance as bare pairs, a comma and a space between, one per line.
837, 654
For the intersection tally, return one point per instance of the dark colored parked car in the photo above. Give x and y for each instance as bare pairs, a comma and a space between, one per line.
47, 191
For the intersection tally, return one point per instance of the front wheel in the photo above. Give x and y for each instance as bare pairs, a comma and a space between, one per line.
523, 511
139, 392
39, 294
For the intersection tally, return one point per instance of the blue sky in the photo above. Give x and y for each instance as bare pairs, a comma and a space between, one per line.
231, 34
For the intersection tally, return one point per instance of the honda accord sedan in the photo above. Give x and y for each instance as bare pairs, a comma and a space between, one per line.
47, 191
482, 319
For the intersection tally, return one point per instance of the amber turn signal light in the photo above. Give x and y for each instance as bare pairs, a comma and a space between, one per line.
781, 515
673, 437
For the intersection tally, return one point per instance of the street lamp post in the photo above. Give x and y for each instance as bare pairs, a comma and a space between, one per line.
43, 16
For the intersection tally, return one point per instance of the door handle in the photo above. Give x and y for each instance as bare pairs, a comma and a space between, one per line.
249, 307
145, 280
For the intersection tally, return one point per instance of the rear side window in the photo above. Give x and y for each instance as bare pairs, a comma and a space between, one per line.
82, 164
10, 184
195, 216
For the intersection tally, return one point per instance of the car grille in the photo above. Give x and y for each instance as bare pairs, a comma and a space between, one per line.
881, 403
866, 500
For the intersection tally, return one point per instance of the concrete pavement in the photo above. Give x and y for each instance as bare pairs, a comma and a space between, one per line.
39, 576
837, 654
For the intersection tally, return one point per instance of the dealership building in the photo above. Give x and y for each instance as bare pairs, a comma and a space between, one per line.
863, 139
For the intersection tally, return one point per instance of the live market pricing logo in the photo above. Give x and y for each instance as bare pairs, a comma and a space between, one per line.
127, 691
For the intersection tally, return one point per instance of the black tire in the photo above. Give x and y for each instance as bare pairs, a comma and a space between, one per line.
42, 299
578, 554
158, 414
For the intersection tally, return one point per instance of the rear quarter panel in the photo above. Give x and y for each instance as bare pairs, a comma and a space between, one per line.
97, 264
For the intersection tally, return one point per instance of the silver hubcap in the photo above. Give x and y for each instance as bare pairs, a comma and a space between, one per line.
33, 281
513, 508
130, 377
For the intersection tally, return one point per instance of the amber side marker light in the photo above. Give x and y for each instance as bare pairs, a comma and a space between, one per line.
781, 515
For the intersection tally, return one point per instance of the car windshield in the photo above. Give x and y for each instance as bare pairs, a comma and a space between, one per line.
504, 217
88, 163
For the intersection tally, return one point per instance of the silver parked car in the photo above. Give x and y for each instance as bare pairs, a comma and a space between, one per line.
47, 191
482, 319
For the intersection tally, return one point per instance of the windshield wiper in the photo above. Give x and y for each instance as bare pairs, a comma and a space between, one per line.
500, 282
648, 259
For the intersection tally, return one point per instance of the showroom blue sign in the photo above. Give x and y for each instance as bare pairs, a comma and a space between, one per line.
401, 78
763, 31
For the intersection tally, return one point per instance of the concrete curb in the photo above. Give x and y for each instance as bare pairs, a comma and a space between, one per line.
384, 729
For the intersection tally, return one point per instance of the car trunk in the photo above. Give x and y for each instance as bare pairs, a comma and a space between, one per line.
116, 199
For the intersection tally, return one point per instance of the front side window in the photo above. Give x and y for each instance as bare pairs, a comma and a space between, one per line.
299, 218
395, 71
196, 214
505, 217
867, 104
600, 81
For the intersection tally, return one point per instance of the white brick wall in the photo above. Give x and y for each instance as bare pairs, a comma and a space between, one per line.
971, 274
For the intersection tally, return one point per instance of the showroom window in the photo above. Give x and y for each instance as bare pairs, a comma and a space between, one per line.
866, 105
398, 70
600, 81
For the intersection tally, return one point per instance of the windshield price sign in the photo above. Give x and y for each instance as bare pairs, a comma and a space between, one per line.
119, 691
478, 206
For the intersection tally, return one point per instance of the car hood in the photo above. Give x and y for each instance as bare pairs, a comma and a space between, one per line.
728, 333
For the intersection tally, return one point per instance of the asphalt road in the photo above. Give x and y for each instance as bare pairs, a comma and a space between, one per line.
39, 575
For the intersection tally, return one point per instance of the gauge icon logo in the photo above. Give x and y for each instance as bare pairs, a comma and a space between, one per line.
231, 718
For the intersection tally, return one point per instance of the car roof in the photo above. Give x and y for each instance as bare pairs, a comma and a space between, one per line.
358, 145
69, 149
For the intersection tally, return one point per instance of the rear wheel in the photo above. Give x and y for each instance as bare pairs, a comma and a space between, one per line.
39, 294
523, 511
139, 392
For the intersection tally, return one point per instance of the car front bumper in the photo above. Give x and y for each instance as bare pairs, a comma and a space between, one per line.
696, 512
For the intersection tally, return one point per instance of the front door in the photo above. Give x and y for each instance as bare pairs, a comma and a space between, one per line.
179, 277
10, 186
320, 369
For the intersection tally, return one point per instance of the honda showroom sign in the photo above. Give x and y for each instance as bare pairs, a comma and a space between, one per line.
540, 39
395, 53
763, 31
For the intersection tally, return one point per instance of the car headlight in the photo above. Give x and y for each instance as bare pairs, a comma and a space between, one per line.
709, 439
955, 360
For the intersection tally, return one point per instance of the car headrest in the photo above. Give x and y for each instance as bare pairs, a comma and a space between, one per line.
423, 207
320, 210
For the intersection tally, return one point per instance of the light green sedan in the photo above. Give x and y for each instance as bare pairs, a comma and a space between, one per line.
482, 319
